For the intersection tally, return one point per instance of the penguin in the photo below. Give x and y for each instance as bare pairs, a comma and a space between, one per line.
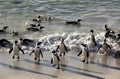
35, 29
117, 54
103, 48
109, 33
55, 60
5, 43
85, 52
74, 22
38, 19
62, 48
37, 52
15, 49
92, 38
15, 33
27, 42
35, 25
3, 30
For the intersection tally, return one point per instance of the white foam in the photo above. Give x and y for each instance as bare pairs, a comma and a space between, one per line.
72, 40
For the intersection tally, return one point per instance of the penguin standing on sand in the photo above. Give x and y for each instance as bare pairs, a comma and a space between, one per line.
15, 49
55, 60
37, 52
85, 52
103, 48
62, 48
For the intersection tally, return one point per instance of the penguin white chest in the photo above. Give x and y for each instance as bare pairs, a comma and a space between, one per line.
15, 50
104, 47
62, 49
55, 60
85, 53
37, 54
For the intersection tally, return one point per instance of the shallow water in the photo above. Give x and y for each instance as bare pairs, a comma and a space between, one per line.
17, 14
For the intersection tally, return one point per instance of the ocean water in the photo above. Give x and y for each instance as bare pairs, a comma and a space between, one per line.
17, 14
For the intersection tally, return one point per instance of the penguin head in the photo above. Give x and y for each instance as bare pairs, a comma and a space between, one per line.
38, 24
16, 41
53, 51
92, 31
21, 39
62, 40
105, 40
5, 27
39, 16
105, 25
79, 20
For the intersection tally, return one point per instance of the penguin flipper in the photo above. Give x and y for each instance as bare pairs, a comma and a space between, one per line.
51, 60
79, 53
66, 48
21, 50
31, 52
41, 53
10, 50
57, 48
57, 57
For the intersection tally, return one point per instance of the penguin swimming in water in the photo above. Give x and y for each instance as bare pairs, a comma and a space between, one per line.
35, 29
38, 19
103, 49
37, 52
15, 33
27, 42
55, 60
15, 49
74, 22
35, 25
62, 48
109, 33
3, 30
85, 52
5, 43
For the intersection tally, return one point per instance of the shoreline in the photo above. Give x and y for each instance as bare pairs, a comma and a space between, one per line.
99, 67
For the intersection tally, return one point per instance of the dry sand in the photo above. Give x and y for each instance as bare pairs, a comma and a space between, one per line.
99, 67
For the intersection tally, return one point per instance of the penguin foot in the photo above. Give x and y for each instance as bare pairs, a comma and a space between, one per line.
58, 67
60, 55
83, 60
54, 65
87, 62
13, 57
35, 58
18, 57
38, 59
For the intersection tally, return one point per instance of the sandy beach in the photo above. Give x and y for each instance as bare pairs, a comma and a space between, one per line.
99, 67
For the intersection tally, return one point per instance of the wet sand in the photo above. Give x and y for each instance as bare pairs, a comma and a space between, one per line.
99, 67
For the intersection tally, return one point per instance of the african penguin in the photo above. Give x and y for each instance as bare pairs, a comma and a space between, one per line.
62, 48
55, 60
37, 52
103, 49
74, 22
85, 52
15, 49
